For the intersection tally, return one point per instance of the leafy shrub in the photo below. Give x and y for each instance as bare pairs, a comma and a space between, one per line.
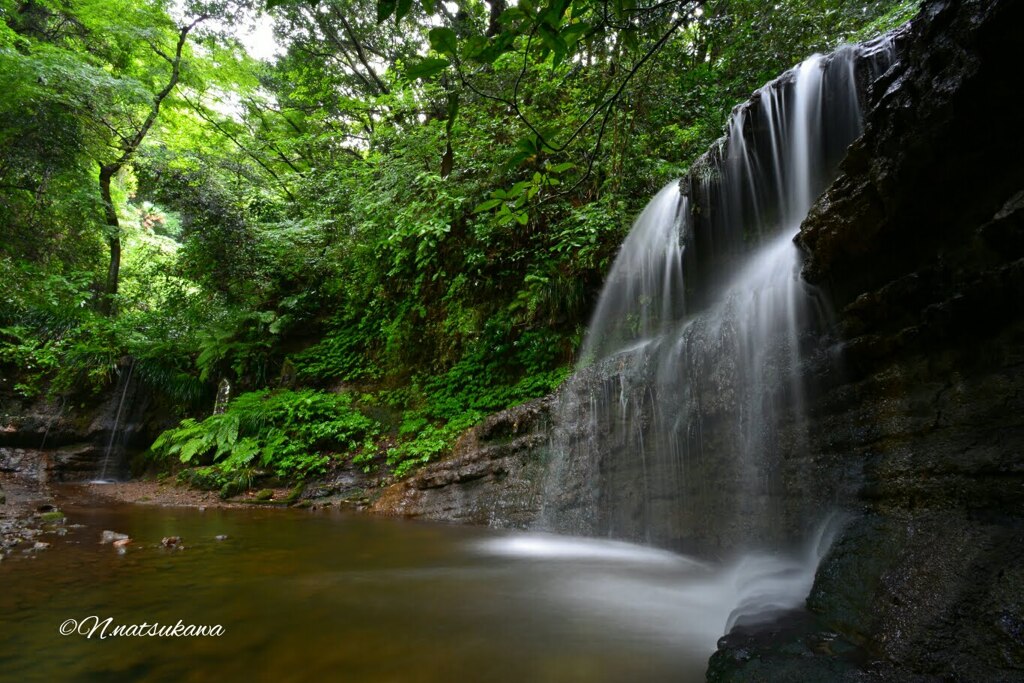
340, 355
289, 432
35, 358
455, 401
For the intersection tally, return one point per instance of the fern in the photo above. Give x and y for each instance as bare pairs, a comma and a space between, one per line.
288, 432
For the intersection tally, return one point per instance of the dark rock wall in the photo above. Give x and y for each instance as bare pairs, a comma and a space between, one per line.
919, 244
66, 439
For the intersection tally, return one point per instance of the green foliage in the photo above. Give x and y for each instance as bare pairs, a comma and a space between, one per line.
83, 358
446, 405
35, 358
341, 355
291, 433
416, 201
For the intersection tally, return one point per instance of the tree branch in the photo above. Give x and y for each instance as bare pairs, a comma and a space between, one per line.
249, 153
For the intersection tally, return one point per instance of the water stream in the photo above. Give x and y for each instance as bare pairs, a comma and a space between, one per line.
114, 431
677, 428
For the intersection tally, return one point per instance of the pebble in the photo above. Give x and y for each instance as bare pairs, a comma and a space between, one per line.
221, 537
171, 542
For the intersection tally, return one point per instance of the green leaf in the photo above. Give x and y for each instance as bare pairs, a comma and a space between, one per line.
444, 40
385, 8
402, 9
487, 206
428, 6
474, 46
572, 33
555, 12
426, 68
518, 188
502, 43
453, 111
630, 40
271, 4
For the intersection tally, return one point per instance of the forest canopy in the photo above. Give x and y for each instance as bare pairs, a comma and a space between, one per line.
394, 226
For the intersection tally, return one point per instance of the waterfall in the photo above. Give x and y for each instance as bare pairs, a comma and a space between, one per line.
125, 383
678, 426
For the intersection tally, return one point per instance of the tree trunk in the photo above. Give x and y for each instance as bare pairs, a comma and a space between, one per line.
108, 171
493, 25
114, 240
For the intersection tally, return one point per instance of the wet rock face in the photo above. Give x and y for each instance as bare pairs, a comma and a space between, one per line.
920, 246
63, 440
493, 477
939, 166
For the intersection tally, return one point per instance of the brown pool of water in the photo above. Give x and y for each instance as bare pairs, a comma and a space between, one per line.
328, 596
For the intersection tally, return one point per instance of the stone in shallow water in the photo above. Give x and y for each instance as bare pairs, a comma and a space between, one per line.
112, 536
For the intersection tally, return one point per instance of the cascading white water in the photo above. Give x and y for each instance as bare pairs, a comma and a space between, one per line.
643, 296
685, 601
689, 399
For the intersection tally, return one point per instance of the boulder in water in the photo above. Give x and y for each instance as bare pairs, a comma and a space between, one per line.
112, 537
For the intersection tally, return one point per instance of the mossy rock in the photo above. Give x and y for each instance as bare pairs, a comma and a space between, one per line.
264, 494
231, 489
294, 494
54, 516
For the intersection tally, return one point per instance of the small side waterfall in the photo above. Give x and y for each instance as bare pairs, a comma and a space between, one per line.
106, 471
679, 425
